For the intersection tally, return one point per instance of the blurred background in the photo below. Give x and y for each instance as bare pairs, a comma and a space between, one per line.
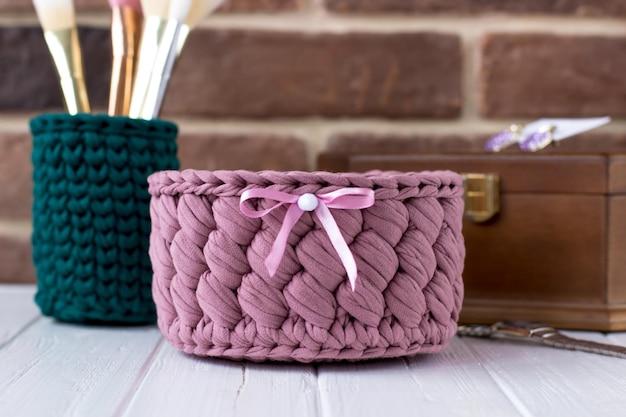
270, 84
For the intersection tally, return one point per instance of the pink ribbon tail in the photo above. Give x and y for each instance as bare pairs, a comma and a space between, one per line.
345, 199
272, 262
340, 245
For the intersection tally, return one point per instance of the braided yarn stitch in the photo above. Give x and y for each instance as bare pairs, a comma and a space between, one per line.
91, 219
215, 297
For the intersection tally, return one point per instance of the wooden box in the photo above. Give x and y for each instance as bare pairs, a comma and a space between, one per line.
556, 252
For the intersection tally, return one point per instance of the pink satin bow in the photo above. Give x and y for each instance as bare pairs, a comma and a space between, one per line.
345, 198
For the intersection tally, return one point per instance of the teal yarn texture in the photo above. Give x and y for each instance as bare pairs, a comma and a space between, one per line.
91, 215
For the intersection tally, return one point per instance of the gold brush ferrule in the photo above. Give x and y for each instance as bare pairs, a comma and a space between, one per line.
66, 54
125, 36
152, 33
163, 65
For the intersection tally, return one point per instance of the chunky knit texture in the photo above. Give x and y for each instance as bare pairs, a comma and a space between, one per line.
91, 219
215, 297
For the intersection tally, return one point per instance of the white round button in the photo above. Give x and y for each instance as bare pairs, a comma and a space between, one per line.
307, 202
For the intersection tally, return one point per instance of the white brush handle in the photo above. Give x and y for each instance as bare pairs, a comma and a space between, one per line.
148, 49
162, 70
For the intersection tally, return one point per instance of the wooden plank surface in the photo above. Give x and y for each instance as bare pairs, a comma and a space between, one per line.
53, 369
178, 384
17, 310
543, 381
450, 383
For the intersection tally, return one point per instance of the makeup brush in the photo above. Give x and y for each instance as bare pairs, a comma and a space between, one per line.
199, 10
125, 35
156, 17
58, 20
166, 56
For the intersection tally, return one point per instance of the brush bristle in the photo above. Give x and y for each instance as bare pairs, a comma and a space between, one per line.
55, 14
134, 4
179, 9
157, 8
201, 9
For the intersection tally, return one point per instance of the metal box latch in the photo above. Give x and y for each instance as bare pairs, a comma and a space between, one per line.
482, 196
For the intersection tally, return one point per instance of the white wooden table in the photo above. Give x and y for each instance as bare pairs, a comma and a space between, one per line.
51, 369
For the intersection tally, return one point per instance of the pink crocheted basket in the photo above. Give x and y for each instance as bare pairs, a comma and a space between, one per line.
215, 295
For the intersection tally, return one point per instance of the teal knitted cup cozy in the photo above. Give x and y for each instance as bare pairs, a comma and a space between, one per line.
91, 216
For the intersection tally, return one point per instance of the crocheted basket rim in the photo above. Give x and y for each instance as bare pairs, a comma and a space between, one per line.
155, 129
202, 182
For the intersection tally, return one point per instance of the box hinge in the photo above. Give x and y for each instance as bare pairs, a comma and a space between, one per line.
482, 196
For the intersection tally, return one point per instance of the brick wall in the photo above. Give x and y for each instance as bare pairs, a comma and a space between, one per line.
267, 84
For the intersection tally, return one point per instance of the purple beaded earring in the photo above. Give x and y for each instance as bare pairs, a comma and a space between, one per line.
504, 139
539, 139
